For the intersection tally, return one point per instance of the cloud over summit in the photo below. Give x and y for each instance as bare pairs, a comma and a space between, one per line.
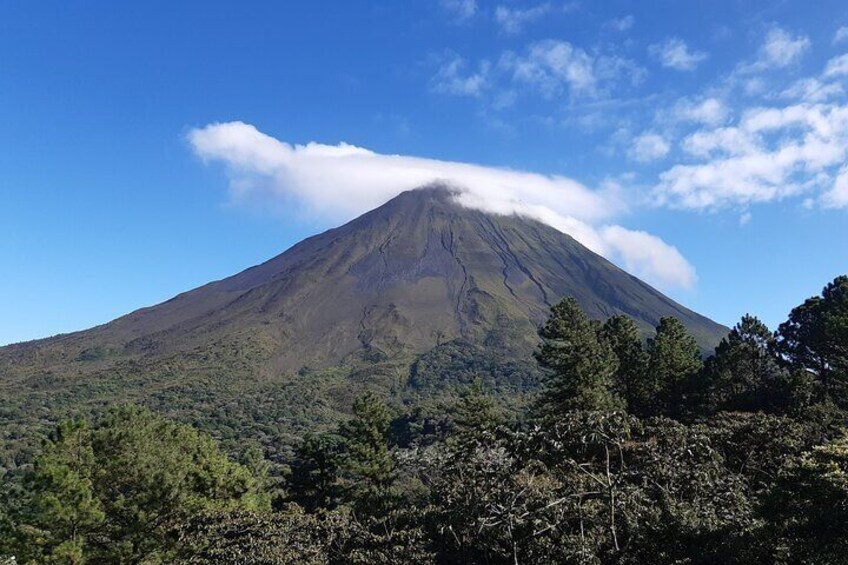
339, 182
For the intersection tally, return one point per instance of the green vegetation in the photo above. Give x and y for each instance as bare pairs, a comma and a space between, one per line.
629, 452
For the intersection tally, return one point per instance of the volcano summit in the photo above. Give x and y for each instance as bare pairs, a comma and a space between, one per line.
416, 272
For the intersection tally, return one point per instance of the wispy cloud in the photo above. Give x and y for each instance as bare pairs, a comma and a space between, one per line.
780, 49
836, 67
841, 35
337, 182
649, 147
513, 20
746, 142
623, 23
453, 76
710, 111
460, 10
554, 67
673, 53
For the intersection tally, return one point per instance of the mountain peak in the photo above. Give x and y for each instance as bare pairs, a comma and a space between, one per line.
419, 270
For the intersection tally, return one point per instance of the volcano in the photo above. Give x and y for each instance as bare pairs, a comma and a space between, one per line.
416, 272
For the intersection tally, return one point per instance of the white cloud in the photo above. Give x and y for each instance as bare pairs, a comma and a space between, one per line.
840, 35
710, 111
770, 154
648, 256
513, 20
621, 24
674, 54
745, 218
780, 49
460, 10
837, 196
838, 66
451, 77
730, 141
813, 90
648, 147
554, 66
337, 182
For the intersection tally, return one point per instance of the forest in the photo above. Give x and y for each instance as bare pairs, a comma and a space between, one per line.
627, 451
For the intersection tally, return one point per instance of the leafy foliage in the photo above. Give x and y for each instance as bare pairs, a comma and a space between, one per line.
635, 453
110, 493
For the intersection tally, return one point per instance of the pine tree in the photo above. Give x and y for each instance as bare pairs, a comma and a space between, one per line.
475, 413
65, 506
815, 339
580, 365
111, 493
673, 361
744, 373
367, 436
622, 335
316, 475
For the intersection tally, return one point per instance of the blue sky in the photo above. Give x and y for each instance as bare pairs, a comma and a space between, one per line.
148, 148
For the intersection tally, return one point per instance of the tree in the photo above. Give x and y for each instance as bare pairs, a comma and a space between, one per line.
580, 365
815, 339
112, 493
367, 437
475, 412
744, 373
807, 510
65, 509
698, 510
622, 335
673, 360
316, 473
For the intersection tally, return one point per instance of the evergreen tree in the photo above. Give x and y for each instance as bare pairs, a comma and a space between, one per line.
580, 366
673, 361
815, 339
623, 336
475, 411
316, 473
111, 493
744, 373
367, 437
65, 509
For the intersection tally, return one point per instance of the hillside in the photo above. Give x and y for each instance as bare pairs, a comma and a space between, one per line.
355, 307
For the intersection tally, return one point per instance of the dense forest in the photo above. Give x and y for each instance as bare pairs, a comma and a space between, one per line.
626, 451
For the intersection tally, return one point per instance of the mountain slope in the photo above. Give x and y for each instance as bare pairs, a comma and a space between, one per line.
415, 272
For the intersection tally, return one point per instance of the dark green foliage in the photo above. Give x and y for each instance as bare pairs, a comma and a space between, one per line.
460, 363
315, 478
110, 493
475, 412
65, 510
367, 442
744, 374
807, 508
580, 365
294, 537
815, 339
287, 537
700, 511
624, 338
754, 469
673, 362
